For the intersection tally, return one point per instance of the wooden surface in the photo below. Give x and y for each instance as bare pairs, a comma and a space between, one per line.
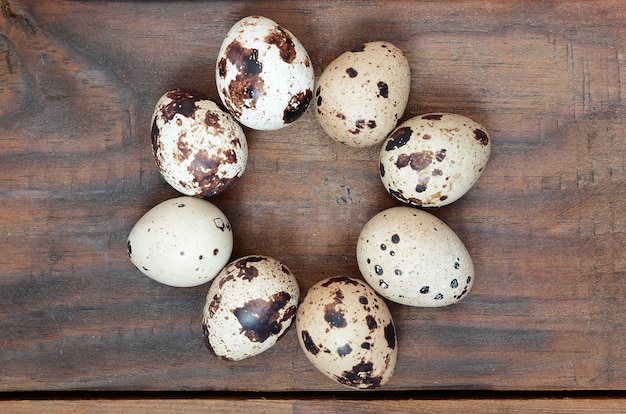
545, 224
316, 406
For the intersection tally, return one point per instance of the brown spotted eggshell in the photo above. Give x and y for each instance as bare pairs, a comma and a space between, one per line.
411, 257
264, 75
362, 94
347, 332
249, 306
199, 148
184, 241
432, 160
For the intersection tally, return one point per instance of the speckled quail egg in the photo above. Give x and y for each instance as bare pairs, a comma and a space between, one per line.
249, 306
199, 148
347, 332
362, 94
184, 241
264, 75
411, 257
432, 160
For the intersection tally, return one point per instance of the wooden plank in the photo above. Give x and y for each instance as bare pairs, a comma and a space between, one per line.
304, 406
546, 223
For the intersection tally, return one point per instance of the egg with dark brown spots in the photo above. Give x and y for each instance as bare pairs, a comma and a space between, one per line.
362, 94
264, 75
411, 257
199, 148
432, 160
249, 306
347, 332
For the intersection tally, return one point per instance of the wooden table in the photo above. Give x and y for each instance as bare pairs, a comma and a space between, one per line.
546, 223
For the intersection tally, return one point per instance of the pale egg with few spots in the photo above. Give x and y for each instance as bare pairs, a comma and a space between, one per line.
361, 95
181, 242
411, 257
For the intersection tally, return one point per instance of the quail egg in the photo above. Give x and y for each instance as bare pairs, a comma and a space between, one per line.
182, 242
432, 160
199, 148
264, 75
411, 257
347, 332
249, 306
362, 94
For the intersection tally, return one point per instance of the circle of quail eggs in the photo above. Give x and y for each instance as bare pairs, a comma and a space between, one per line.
405, 255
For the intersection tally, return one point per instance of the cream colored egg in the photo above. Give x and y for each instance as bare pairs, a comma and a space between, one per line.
347, 332
199, 149
362, 94
184, 241
264, 75
249, 306
432, 160
411, 257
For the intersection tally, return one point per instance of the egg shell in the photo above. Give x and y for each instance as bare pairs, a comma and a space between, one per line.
432, 160
182, 242
347, 332
411, 257
362, 94
264, 75
199, 148
249, 306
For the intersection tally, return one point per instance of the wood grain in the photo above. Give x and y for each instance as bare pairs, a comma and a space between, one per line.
546, 223
304, 406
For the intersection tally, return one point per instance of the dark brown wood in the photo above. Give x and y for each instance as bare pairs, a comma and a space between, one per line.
546, 223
